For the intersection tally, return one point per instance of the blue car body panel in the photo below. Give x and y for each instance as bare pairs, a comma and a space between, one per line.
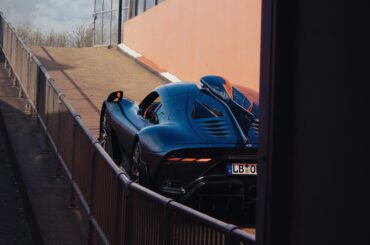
193, 123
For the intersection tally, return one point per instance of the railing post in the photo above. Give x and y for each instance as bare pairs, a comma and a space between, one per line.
31, 86
2, 56
1, 37
10, 73
91, 233
20, 92
120, 23
1, 30
228, 238
47, 103
36, 89
28, 109
168, 225
73, 197
93, 176
14, 79
72, 202
128, 214
57, 140
118, 207
91, 237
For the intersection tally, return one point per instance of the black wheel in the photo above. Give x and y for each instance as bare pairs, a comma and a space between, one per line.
135, 166
108, 141
104, 135
139, 172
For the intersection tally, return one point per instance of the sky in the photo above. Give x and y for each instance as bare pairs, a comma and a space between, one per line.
48, 15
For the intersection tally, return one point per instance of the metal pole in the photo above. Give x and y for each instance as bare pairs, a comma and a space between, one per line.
111, 22
102, 24
1, 30
120, 22
95, 16
136, 7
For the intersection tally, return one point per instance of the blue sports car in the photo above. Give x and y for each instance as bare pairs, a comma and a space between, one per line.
194, 143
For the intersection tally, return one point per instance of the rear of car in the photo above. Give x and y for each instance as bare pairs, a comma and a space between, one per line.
216, 171
210, 178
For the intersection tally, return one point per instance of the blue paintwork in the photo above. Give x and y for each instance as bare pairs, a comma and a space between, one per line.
217, 84
177, 129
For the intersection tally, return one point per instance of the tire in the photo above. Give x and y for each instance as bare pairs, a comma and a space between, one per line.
135, 165
138, 169
105, 139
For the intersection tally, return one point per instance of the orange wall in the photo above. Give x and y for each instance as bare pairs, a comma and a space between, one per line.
192, 38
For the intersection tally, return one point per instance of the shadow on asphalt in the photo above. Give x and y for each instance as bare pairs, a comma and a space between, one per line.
17, 224
47, 188
53, 65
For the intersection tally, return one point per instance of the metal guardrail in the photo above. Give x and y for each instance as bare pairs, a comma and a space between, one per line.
109, 16
119, 211
139, 6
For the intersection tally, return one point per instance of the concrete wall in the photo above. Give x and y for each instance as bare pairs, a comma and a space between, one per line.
193, 38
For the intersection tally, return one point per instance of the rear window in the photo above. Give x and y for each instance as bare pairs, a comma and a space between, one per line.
241, 99
205, 109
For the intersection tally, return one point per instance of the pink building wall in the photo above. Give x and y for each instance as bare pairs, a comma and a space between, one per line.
193, 38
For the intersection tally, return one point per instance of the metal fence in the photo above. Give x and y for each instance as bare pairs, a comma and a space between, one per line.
108, 20
119, 211
139, 6
110, 15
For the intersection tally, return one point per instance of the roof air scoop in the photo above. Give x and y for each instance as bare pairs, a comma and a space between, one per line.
219, 86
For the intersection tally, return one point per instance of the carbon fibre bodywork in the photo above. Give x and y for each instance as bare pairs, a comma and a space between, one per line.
187, 139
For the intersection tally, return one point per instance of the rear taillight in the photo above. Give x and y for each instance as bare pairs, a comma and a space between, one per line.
188, 160
204, 160
174, 159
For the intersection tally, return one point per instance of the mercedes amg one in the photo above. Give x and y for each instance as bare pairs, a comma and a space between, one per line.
196, 143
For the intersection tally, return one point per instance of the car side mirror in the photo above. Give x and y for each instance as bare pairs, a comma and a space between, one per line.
115, 97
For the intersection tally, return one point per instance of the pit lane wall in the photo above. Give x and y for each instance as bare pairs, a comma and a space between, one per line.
119, 211
193, 38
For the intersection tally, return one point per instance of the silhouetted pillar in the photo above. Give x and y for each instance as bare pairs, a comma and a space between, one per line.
313, 183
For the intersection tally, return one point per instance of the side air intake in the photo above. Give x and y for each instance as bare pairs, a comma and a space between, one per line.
216, 128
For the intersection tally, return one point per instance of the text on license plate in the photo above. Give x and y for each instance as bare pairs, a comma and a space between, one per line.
242, 169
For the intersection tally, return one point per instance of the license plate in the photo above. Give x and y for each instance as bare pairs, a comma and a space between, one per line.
242, 169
